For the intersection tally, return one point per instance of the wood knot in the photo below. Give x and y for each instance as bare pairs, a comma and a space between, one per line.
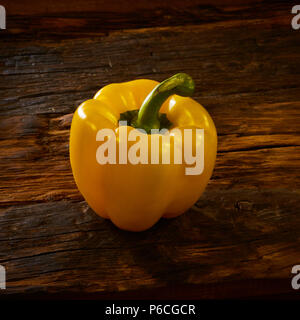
243, 205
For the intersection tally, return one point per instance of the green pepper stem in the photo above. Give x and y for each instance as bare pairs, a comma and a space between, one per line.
148, 116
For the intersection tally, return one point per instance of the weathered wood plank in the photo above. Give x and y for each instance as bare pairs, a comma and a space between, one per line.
248, 234
38, 149
57, 19
219, 56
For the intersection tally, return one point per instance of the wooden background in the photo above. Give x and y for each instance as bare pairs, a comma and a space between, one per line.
242, 237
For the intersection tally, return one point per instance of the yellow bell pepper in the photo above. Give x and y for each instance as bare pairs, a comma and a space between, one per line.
136, 196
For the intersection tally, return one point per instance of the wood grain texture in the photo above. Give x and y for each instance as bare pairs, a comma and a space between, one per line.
59, 19
245, 60
64, 245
